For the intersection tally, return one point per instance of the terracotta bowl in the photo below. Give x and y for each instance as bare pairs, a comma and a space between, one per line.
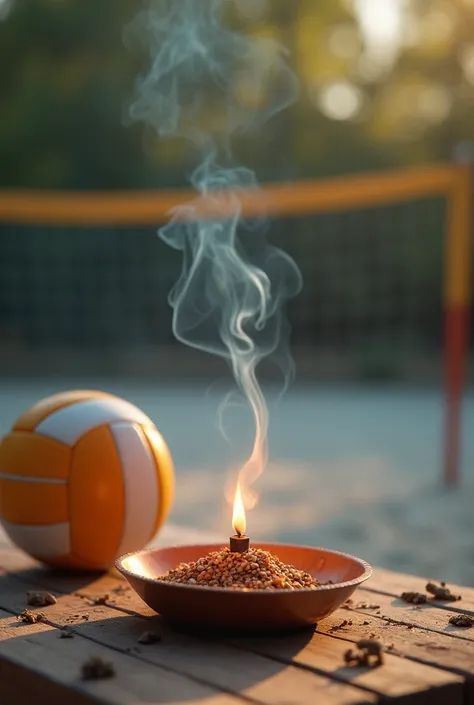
221, 609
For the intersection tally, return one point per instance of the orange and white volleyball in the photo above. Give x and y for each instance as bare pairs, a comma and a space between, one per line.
84, 477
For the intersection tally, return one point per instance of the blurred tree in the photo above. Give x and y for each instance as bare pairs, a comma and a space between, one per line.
382, 83
64, 88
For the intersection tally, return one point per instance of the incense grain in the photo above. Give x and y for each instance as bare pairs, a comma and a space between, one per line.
253, 570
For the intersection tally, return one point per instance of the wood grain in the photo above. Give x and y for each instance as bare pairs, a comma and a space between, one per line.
432, 631
252, 677
55, 663
417, 643
430, 663
430, 616
398, 678
391, 583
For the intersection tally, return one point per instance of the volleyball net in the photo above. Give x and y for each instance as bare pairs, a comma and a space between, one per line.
385, 260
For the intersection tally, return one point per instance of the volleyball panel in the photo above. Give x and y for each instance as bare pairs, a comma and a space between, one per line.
164, 469
140, 485
96, 499
33, 416
27, 454
68, 425
45, 543
33, 503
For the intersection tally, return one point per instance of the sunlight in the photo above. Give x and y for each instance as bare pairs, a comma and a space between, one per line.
381, 24
340, 100
466, 59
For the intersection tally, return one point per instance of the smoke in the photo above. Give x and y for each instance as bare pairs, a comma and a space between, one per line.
205, 83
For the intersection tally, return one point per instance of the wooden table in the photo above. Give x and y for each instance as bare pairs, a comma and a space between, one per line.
427, 661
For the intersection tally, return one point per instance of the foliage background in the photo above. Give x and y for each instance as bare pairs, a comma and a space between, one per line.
67, 78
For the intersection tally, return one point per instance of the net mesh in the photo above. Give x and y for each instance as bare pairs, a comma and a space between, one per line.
372, 284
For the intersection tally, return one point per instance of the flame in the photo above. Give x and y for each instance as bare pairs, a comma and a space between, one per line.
238, 516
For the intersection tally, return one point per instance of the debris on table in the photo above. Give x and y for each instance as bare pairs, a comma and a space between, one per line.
149, 638
344, 623
370, 654
414, 598
441, 592
75, 617
40, 599
66, 633
102, 600
462, 620
31, 617
364, 605
96, 668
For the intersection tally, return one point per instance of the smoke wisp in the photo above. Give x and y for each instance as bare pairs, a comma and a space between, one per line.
205, 83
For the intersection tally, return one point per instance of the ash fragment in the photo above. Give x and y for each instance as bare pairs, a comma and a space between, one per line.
369, 654
66, 633
344, 623
414, 598
149, 638
96, 668
31, 617
102, 600
441, 592
75, 617
462, 620
40, 599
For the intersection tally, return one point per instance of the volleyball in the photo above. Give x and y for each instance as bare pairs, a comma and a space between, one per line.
84, 477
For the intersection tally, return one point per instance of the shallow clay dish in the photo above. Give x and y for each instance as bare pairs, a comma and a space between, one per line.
209, 608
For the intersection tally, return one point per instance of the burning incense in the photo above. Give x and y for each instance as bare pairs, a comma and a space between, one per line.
239, 543
240, 566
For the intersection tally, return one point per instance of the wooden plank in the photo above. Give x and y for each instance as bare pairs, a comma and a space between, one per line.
422, 650
391, 612
430, 616
399, 678
415, 643
447, 653
55, 667
391, 583
256, 678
